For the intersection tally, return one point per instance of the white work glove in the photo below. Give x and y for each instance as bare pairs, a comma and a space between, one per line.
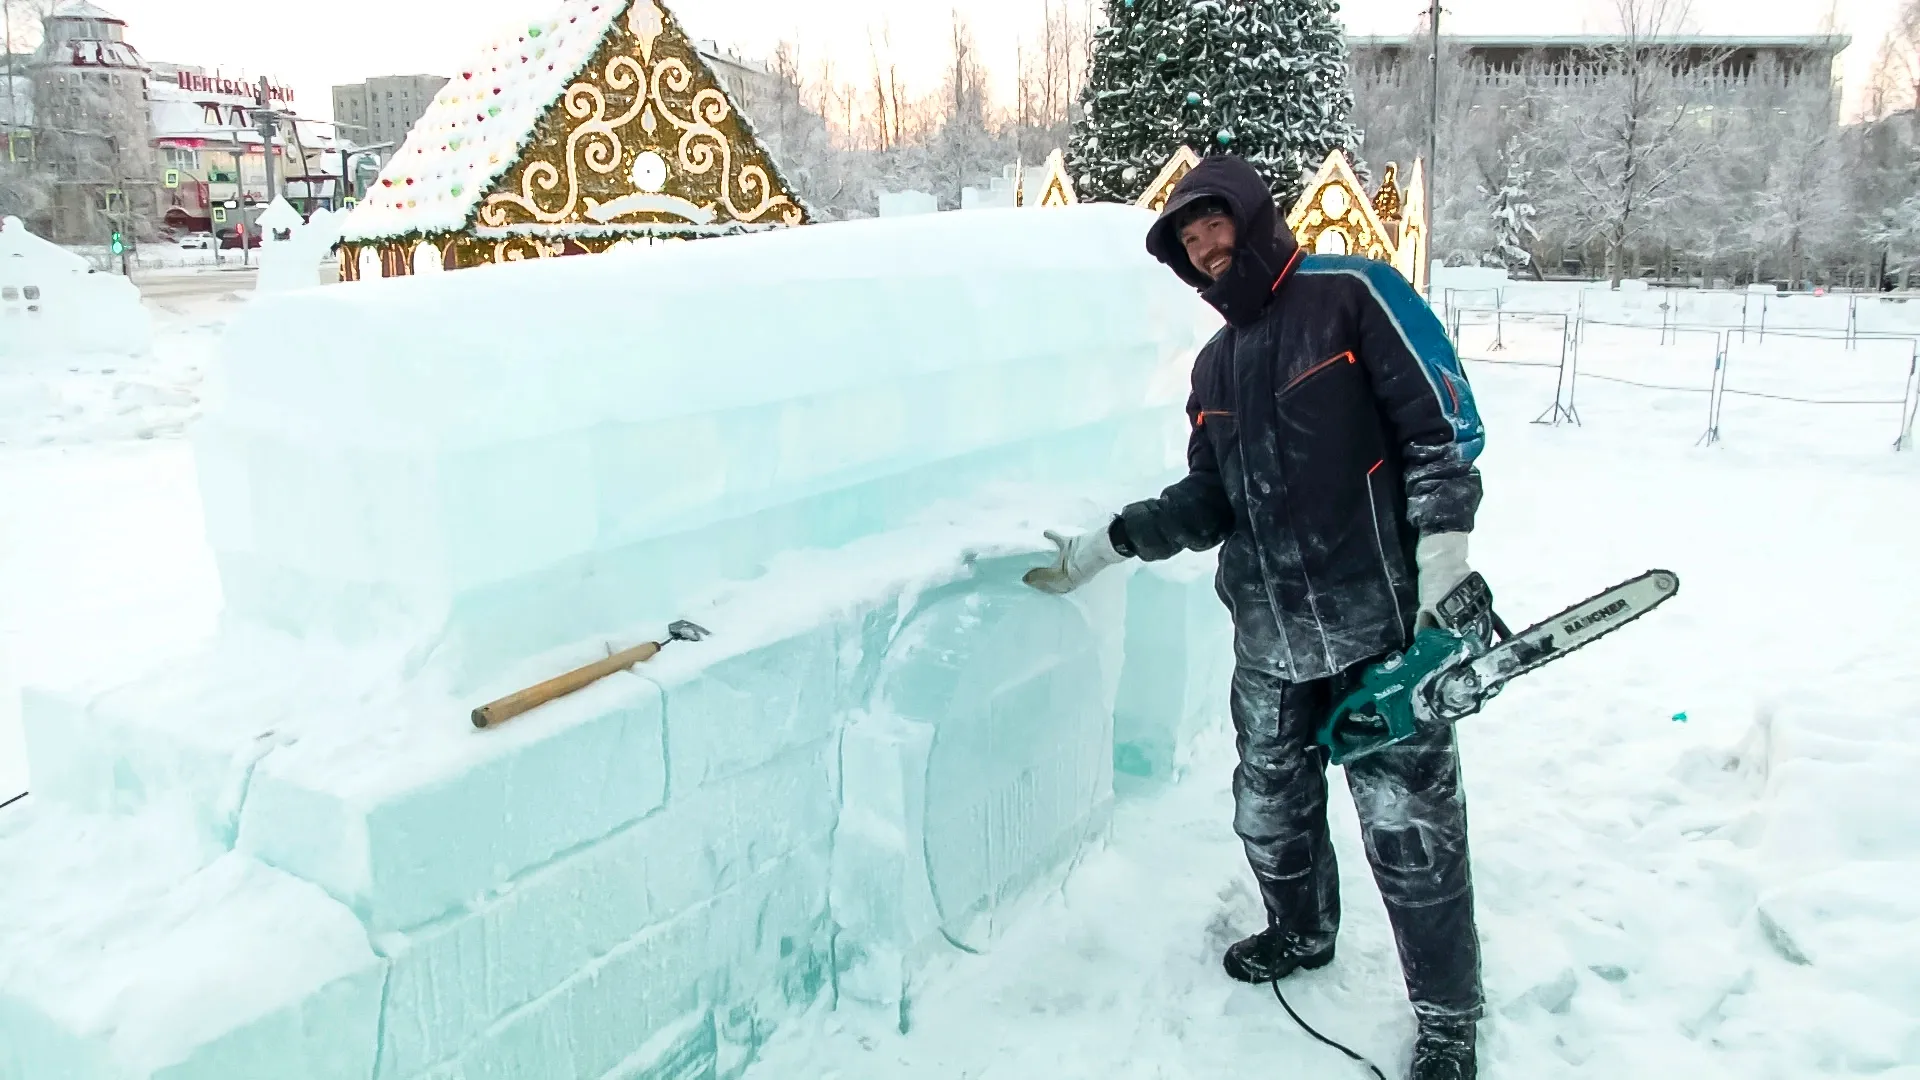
1080, 558
1441, 559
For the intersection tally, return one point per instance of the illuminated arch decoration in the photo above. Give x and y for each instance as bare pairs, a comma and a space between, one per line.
1175, 170
1055, 188
599, 124
1336, 216
1410, 239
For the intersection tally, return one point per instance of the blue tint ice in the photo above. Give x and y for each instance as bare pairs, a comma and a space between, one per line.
835, 447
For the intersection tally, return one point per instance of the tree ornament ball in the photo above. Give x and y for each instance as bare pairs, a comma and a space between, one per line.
1129, 174
1193, 97
1161, 58
1225, 137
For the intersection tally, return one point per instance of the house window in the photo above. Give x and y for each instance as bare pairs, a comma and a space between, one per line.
32, 292
9, 293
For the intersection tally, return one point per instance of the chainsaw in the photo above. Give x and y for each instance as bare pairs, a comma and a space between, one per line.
1453, 669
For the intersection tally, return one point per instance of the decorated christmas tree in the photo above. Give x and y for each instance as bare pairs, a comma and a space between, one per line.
1264, 79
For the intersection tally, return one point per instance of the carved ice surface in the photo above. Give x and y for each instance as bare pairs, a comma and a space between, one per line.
836, 447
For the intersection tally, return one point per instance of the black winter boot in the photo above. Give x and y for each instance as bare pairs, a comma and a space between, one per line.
1273, 954
1443, 1050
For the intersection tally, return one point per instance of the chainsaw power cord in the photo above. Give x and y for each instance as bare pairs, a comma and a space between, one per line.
1308, 1028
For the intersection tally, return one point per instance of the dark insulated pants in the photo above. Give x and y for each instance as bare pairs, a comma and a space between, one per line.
1413, 819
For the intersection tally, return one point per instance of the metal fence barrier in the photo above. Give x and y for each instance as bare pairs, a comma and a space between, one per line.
1573, 329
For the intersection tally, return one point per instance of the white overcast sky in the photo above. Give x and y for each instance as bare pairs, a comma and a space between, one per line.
312, 46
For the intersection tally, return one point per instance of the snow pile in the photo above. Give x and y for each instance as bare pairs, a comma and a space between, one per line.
51, 303
479, 122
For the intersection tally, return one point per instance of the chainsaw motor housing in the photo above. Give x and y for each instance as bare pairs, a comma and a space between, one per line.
1399, 695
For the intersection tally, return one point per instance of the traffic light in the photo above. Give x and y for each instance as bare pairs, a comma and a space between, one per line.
119, 242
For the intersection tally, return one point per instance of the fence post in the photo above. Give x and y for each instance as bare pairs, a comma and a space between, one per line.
1853, 318
1712, 435
1765, 300
1562, 408
1499, 320
1572, 364
1911, 405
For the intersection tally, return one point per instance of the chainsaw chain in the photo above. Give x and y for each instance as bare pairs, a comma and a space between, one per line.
1560, 654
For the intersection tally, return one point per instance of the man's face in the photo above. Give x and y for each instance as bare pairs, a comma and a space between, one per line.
1209, 243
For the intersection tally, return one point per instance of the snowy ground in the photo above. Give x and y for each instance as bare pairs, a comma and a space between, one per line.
1624, 856
1726, 895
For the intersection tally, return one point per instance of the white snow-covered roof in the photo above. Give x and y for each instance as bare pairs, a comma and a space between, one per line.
81, 9
479, 122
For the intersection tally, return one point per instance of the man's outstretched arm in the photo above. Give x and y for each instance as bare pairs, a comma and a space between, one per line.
1191, 515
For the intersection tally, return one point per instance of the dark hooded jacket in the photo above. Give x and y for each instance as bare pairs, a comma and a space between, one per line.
1332, 426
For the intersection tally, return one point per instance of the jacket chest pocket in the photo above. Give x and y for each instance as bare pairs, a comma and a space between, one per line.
1323, 371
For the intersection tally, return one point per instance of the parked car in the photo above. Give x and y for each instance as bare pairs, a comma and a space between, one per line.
198, 242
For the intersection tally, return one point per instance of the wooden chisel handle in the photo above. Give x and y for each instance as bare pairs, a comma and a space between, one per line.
495, 713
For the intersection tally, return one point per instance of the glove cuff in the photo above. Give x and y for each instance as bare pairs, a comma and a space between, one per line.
1443, 554
1101, 551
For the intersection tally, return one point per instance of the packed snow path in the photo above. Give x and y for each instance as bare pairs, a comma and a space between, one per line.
1623, 856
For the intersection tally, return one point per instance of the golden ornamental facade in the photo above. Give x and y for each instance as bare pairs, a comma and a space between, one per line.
643, 144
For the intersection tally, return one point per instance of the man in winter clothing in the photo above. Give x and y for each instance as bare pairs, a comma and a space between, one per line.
1331, 460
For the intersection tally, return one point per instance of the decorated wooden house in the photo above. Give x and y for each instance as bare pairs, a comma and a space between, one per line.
1336, 216
599, 126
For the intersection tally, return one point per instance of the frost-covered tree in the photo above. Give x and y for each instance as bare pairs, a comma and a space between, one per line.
1263, 79
1514, 231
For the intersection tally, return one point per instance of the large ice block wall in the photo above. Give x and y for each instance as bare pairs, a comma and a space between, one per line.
558, 450
290, 856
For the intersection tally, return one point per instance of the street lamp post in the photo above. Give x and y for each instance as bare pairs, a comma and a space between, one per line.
1433, 136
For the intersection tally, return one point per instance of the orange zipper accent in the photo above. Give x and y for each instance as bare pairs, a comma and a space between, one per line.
1201, 420
1310, 372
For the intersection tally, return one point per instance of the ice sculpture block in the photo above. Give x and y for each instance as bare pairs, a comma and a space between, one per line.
1179, 666
833, 446
514, 460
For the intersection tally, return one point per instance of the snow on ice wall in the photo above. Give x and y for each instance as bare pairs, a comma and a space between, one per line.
888, 741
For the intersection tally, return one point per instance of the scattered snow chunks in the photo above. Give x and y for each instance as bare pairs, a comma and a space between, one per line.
435, 826
1179, 665
1836, 852
518, 468
127, 965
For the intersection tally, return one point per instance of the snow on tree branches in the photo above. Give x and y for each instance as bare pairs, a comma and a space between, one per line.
1263, 79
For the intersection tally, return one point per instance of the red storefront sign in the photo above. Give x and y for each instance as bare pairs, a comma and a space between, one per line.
207, 84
